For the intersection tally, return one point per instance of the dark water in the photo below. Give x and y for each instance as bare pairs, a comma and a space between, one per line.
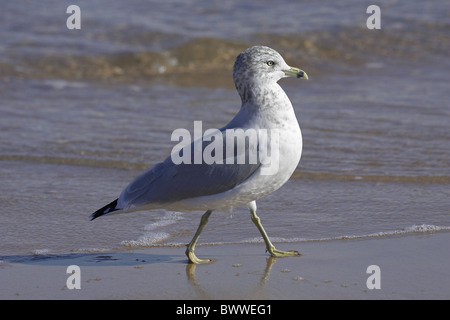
84, 111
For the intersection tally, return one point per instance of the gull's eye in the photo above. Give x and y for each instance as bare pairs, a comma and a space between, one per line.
270, 63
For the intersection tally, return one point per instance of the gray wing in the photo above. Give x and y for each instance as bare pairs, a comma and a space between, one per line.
168, 182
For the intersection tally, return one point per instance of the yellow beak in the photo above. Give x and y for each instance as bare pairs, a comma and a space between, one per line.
295, 72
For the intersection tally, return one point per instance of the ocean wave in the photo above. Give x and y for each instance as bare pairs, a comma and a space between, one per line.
441, 179
370, 178
150, 238
423, 228
76, 161
320, 50
38, 252
169, 218
92, 250
414, 229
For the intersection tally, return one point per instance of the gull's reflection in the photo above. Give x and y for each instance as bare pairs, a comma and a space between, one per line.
190, 274
270, 261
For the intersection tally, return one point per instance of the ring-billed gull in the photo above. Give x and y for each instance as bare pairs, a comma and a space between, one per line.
266, 116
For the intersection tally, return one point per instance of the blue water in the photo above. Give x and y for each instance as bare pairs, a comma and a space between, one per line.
84, 111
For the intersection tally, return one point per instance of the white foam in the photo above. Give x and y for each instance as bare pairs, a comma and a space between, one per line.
426, 228
168, 219
92, 250
148, 239
151, 238
423, 228
38, 252
156, 239
59, 84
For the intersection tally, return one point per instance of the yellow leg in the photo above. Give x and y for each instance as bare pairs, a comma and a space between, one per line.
270, 247
191, 246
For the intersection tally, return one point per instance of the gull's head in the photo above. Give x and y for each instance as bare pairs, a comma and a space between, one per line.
260, 64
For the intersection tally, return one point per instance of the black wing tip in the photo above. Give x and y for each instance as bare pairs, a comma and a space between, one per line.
111, 207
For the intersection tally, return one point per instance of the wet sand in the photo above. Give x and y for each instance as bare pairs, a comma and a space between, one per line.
411, 267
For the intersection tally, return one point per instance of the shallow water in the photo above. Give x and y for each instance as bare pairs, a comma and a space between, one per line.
84, 111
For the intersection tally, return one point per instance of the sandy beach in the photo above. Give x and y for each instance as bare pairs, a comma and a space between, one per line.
410, 267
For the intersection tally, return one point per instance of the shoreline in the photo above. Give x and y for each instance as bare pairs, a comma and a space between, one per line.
411, 267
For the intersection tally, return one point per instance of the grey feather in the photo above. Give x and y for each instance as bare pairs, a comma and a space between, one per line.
167, 182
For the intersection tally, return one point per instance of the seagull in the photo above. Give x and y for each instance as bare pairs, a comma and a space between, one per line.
240, 174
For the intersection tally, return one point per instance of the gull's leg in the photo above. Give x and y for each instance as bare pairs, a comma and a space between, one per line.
270, 247
191, 246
